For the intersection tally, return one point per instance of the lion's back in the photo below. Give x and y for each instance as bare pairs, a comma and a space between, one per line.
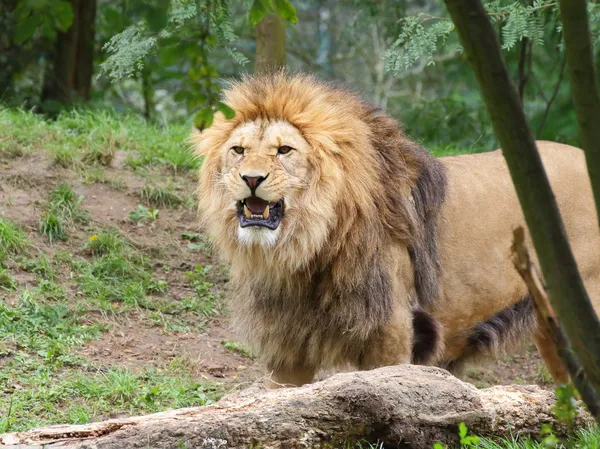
480, 212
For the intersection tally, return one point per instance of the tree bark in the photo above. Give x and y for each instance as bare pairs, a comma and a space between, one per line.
70, 74
270, 43
584, 85
567, 293
401, 406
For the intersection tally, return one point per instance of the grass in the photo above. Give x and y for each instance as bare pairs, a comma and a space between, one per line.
64, 208
44, 382
161, 196
52, 227
82, 138
12, 239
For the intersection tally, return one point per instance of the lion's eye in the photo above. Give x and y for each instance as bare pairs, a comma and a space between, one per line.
284, 149
238, 150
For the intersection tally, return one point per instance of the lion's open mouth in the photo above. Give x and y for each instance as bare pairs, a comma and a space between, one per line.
254, 211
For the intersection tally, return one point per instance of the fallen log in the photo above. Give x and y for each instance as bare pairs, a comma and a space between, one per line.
407, 405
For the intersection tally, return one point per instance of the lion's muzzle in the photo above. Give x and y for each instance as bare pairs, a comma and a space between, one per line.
254, 211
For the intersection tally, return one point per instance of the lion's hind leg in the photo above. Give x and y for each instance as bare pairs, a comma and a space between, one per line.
497, 335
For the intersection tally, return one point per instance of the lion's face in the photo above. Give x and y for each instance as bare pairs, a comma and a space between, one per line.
266, 170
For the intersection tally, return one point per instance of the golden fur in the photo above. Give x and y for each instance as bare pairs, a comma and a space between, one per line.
384, 255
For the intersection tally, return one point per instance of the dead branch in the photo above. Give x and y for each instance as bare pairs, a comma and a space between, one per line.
406, 405
549, 324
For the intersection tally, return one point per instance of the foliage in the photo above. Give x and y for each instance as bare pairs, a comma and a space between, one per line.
44, 16
143, 214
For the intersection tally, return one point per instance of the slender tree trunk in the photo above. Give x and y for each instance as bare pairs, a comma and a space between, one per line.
584, 85
565, 286
148, 94
71, 70
270, 43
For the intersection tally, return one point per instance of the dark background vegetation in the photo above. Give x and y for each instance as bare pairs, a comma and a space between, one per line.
172, 57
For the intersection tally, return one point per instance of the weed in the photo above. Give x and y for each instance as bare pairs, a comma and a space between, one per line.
238, 348
12, 239
10, 149
52, 227
105, 242
142, 214
161, 196
94, 175
99, 155
40, 266
64, 157
198, 242
6, 280
67, 204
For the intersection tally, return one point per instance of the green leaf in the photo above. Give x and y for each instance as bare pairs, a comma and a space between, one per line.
228, 112
286, 10
195, 100
25, 30
21, 12
462, 430
257, 13
62, 13
438, 446
204, 118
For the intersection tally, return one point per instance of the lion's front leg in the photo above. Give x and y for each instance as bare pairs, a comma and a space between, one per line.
389, 345
290, 377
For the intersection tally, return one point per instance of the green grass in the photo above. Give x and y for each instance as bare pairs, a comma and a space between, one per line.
64, 209
52, 227
12, 239
67, 204
161, 196
43, 382
84, 137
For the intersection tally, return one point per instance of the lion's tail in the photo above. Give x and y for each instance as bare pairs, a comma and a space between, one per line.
499, 334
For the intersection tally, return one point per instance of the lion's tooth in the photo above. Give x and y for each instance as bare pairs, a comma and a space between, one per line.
247, 212
266, 212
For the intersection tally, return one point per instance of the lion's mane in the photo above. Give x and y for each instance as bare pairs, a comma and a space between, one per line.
326, 287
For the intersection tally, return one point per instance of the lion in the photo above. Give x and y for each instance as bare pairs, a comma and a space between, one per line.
352, 247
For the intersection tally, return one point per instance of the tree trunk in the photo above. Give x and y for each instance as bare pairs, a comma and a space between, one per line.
70, 74
400, 406
584, 85
270, 43
148, 94
565, 286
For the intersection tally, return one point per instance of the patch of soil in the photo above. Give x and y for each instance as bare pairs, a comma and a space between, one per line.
136, 347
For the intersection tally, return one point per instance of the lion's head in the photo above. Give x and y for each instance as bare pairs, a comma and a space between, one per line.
303, 163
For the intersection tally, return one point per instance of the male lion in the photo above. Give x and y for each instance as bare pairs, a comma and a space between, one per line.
350, 245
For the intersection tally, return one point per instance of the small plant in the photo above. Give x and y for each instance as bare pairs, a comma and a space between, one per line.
105, 242
238, 348
67, 204
52, 227
99, 155
161, 196
64, 157
198, 242
6, 280
142, 214
12, 239
466, 440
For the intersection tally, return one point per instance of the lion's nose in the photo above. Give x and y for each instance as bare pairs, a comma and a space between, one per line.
253, 181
